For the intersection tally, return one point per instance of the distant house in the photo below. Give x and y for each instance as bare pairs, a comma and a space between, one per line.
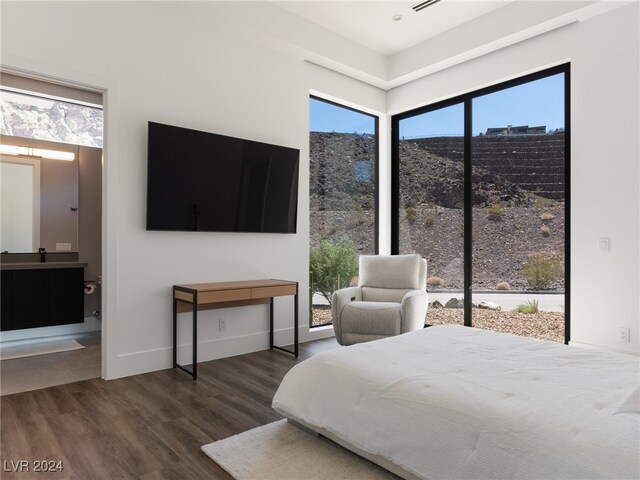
520, 130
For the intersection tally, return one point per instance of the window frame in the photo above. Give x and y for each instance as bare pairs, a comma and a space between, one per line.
376, 179
467, 100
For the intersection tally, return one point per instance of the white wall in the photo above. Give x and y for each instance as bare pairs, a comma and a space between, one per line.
172, 64
605, 174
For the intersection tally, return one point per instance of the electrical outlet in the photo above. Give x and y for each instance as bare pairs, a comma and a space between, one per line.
624, 334
222, 324
604, 244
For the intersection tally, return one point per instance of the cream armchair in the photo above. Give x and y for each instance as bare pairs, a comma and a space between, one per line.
390, 299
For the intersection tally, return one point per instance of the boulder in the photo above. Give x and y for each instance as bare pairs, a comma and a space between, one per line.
490, 306
454, 303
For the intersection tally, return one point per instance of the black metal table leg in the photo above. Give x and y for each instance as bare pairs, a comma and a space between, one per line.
271, 324
194, 304
293, 352
195, 335
175, 329
295, 323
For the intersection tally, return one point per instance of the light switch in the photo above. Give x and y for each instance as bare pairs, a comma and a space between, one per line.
604, 244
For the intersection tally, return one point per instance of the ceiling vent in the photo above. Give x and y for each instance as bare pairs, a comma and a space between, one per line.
422, 5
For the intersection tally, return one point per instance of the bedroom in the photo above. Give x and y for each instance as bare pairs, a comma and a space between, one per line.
239, 69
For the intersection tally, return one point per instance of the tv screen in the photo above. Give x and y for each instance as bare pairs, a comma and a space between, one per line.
200, 181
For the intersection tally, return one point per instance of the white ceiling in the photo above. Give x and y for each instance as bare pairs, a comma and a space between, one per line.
370, 23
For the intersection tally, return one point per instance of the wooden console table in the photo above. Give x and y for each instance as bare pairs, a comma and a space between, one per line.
207, 296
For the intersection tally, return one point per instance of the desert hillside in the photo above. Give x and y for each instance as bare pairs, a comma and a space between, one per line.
518, 196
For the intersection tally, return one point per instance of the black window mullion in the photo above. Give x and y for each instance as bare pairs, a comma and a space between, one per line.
395, 185
468, 214
376, 173
567, 203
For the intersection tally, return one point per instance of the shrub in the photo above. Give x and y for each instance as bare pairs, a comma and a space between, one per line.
503, 286
355, 222
542, 202
545, 230
546, 216
409, 202
540, 272
331, 229
411, 214
530, 306
435, 281
332, 266
356, 207
496, 212
429, 220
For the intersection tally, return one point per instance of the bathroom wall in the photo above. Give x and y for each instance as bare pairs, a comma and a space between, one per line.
90, 219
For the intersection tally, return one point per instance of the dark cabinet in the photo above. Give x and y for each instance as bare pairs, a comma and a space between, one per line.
42, 297
66, 296
6, 292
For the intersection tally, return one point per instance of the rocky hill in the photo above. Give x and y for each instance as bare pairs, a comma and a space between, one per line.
429, 179
342, 172
511, 224
61, 122
534, 163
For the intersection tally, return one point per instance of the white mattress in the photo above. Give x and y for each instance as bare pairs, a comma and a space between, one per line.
450, 402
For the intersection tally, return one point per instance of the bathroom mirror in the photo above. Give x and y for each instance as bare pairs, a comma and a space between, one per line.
39, 202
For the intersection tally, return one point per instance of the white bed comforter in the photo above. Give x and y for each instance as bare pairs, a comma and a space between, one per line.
450, 402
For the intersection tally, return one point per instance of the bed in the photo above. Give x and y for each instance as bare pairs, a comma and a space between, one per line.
465, 403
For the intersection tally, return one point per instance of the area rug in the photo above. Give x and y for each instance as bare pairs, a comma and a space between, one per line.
281, 451
31, 348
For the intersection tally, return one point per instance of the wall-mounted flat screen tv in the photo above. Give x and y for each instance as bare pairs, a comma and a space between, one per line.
200, 181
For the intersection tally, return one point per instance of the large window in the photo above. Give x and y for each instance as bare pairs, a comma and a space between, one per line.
343, 153
480, 190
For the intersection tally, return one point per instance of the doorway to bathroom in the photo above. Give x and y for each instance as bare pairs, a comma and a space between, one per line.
51, 139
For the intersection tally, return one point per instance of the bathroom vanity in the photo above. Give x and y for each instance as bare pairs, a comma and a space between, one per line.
41, 294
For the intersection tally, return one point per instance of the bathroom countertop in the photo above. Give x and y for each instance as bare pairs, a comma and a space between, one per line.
41, 265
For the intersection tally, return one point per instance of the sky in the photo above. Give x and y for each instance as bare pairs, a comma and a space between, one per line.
325, 117
535, 103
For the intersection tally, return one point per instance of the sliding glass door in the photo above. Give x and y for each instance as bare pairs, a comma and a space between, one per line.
480, 190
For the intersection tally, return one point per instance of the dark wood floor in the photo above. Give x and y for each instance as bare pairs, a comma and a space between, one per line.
148, 426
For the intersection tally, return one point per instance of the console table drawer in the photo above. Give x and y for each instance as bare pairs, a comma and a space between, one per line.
224, 296
277, 291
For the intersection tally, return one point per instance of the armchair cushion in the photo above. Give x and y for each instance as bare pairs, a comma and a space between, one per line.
372, 318
403, 272
373, 294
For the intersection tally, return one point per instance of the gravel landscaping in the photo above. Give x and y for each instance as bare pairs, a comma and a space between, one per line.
542, 325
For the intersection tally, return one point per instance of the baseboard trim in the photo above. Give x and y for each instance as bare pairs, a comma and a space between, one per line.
318, 333
602, 348
146, 361
91, 324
